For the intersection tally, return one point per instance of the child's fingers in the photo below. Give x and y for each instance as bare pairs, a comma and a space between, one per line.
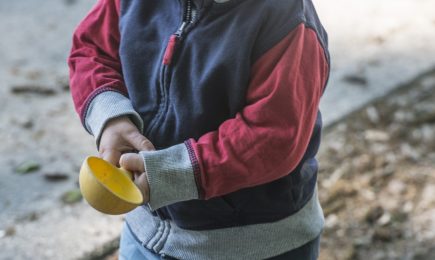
132, 162
140, 142
111, 156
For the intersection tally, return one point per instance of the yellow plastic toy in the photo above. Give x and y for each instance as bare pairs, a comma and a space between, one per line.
107, 188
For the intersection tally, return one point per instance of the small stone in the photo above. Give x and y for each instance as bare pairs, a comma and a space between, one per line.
379, 149
374, 214
416, 134
336, 145
386, 234
362, 241
390, 158
385, 219
427, 133
340, 232
376, 135
409, 152
27, 167
408, 207
368, 194
403, 117
372, 114
396, 187
331, 221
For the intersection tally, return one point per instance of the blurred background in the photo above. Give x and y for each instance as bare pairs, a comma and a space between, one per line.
377, 179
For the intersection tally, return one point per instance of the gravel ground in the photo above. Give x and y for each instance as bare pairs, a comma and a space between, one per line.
377, 179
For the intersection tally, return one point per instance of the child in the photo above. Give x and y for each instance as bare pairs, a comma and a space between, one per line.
221, 99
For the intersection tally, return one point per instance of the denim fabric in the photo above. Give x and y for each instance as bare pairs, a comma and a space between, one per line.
131, 249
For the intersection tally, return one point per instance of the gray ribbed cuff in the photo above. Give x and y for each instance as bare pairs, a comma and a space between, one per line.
170, 176
109, 105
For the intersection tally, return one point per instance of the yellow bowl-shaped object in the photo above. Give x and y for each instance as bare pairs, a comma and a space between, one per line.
107, 188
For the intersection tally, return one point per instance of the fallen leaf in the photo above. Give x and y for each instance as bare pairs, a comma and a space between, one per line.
27, 167
72, 196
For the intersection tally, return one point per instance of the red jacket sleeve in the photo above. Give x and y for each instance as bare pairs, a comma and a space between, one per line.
94, 60
268, 138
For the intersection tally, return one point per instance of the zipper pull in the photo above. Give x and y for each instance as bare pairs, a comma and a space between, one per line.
170, 48
188, 17
180, 30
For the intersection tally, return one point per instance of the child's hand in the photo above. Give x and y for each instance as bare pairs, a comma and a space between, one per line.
119, 136
134, 163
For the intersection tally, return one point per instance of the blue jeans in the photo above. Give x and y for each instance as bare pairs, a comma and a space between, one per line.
131, 249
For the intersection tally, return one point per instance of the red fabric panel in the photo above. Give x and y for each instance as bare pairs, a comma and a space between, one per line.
268, 138
94, 60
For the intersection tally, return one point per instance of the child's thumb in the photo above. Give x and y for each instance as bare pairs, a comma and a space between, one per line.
132, 162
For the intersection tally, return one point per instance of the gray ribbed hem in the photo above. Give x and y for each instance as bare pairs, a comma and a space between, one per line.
170, 176
258, 241
109, 105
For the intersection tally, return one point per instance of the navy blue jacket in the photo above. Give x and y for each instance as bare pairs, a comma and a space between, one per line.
239, 83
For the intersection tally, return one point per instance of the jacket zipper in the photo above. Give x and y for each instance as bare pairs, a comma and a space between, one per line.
188, 18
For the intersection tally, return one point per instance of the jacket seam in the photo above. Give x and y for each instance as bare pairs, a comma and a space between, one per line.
196, 169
